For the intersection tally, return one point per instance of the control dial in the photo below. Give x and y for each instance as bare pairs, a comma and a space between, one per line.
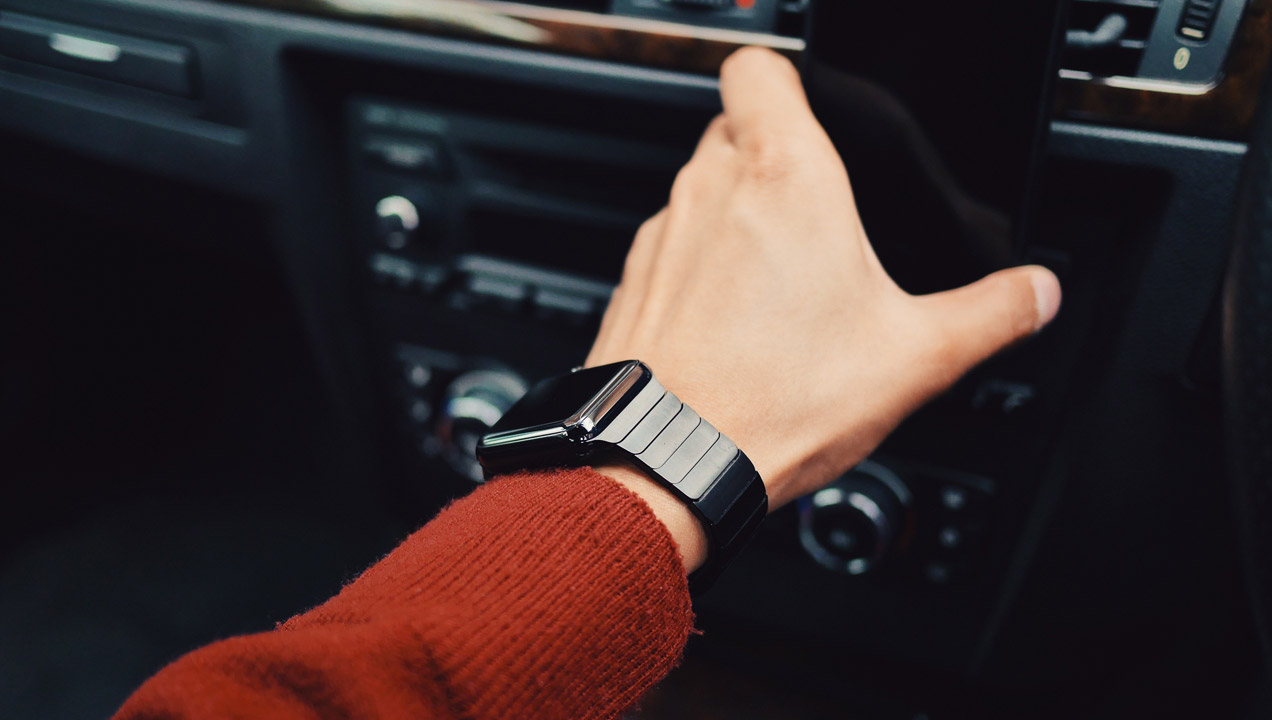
854, 523
400, 219
474, 402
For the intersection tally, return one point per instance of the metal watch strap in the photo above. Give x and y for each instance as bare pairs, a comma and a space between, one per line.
669, 440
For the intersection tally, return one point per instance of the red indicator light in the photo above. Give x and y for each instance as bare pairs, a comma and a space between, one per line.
746, 4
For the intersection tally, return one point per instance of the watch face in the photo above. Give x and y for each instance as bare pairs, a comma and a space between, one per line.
561, 400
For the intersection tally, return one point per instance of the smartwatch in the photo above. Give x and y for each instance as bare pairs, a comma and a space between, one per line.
621, 413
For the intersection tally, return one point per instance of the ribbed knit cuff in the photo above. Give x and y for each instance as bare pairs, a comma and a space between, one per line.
542, 595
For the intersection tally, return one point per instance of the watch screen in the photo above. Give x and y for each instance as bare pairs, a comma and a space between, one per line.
552, 402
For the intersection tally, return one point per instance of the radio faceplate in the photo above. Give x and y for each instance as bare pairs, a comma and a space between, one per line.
491, 245
437, 184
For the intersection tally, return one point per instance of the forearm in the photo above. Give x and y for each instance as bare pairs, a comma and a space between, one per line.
542, 595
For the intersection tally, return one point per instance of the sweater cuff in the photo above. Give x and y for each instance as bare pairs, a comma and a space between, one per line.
547, 594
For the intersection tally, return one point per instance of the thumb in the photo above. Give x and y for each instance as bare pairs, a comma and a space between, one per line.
980, 319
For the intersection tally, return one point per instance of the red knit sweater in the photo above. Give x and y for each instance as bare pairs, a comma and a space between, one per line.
542, 595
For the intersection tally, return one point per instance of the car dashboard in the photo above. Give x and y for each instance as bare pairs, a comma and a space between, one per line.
439, 196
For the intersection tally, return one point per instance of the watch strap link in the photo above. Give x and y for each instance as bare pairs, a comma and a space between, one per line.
669, 440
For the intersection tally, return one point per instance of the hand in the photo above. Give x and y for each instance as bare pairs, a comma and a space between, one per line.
756, 297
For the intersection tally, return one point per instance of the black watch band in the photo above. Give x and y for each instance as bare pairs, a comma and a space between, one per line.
667, 439
621, 413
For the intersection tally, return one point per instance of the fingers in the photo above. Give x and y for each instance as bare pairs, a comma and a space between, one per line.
763, 98
715, 144
705, 182
710, 167
991, 314
714, 154
640, 259
628, 297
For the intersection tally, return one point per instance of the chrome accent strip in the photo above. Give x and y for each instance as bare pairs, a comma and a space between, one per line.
505, 19
1130, 83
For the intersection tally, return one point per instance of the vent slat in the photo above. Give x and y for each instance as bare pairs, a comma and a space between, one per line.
1120, 55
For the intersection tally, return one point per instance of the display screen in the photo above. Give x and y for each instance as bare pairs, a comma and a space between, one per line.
553, 401
937, 109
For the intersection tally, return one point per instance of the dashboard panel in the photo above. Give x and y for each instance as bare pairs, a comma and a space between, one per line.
652, 39
1220, 103
425, 172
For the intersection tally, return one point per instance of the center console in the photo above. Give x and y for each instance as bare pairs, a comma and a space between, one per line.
426, 175
490, 228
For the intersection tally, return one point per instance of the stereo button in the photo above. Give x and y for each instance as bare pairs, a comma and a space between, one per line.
392, 270
954, 498
430, 279
505, 294
414, 156
950, 537
418, 375
576, 309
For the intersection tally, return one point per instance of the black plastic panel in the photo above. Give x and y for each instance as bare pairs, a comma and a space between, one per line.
130, 60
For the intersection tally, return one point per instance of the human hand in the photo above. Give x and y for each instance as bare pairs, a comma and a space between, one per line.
756, 297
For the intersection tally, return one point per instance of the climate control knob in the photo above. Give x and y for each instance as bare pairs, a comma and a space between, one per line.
474, 402
854, 523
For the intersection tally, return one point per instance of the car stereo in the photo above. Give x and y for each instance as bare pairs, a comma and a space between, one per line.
494, 242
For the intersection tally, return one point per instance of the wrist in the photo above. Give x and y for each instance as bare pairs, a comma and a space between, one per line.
704, 490
683, 526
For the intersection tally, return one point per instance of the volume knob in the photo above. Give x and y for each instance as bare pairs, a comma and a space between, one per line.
474, 403
854, 523
400, 219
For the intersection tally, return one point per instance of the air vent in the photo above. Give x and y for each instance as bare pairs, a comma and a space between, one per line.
1107, 38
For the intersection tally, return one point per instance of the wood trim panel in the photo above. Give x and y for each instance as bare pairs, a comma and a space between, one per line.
1224, 111
649, 43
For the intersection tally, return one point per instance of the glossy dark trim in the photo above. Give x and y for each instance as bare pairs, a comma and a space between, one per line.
647, 43
1224, 111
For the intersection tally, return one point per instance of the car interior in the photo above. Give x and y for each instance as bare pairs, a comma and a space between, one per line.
271, 268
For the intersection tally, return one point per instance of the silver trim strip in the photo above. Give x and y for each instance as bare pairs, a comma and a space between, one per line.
1130, 83
505, 19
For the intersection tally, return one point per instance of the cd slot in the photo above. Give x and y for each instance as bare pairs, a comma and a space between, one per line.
627, 183
576, 245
